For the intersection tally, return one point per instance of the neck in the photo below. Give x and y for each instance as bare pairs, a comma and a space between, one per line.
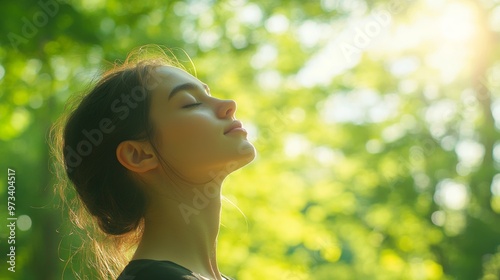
182, 226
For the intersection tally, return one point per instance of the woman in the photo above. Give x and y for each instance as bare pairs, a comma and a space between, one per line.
147, 150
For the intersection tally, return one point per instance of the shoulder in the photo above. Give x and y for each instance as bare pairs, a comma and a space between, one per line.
152, 270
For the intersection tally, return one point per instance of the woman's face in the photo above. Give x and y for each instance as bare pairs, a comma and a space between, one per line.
196, 133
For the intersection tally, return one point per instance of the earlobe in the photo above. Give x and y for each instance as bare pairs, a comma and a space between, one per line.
136, 156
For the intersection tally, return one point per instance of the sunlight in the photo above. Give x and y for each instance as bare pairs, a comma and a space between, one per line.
457, 23
452, 195
455, 33
443, 32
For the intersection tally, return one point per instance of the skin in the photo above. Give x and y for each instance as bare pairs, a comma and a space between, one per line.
182, 178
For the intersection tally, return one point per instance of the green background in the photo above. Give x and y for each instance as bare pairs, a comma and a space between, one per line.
376, 125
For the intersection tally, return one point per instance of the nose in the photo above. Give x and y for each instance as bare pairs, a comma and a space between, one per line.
226, 109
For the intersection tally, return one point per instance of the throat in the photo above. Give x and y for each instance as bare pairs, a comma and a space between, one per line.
184, 233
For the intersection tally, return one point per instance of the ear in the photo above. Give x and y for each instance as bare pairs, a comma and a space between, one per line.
137, 156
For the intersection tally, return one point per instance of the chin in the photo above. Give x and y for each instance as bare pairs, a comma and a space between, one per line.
247, 151
233, 161
247, 154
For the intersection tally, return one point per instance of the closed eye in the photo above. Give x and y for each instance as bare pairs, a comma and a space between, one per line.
191, 105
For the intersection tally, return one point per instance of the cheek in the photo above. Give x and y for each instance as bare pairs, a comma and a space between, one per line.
193, 127
188, 137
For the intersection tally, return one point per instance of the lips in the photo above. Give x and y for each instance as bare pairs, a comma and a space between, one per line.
235, 126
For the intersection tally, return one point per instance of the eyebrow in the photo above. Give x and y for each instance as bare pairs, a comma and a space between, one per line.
187, 86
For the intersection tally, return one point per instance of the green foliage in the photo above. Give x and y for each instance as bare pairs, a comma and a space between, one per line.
377, 157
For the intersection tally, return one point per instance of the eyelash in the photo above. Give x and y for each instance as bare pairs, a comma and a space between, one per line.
191, 105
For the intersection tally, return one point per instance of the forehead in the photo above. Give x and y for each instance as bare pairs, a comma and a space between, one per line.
169, 77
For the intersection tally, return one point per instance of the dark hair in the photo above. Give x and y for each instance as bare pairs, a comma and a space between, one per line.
114, 110
111, 113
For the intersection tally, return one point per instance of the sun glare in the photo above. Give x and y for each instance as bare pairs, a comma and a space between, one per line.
457, 23
452, 30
